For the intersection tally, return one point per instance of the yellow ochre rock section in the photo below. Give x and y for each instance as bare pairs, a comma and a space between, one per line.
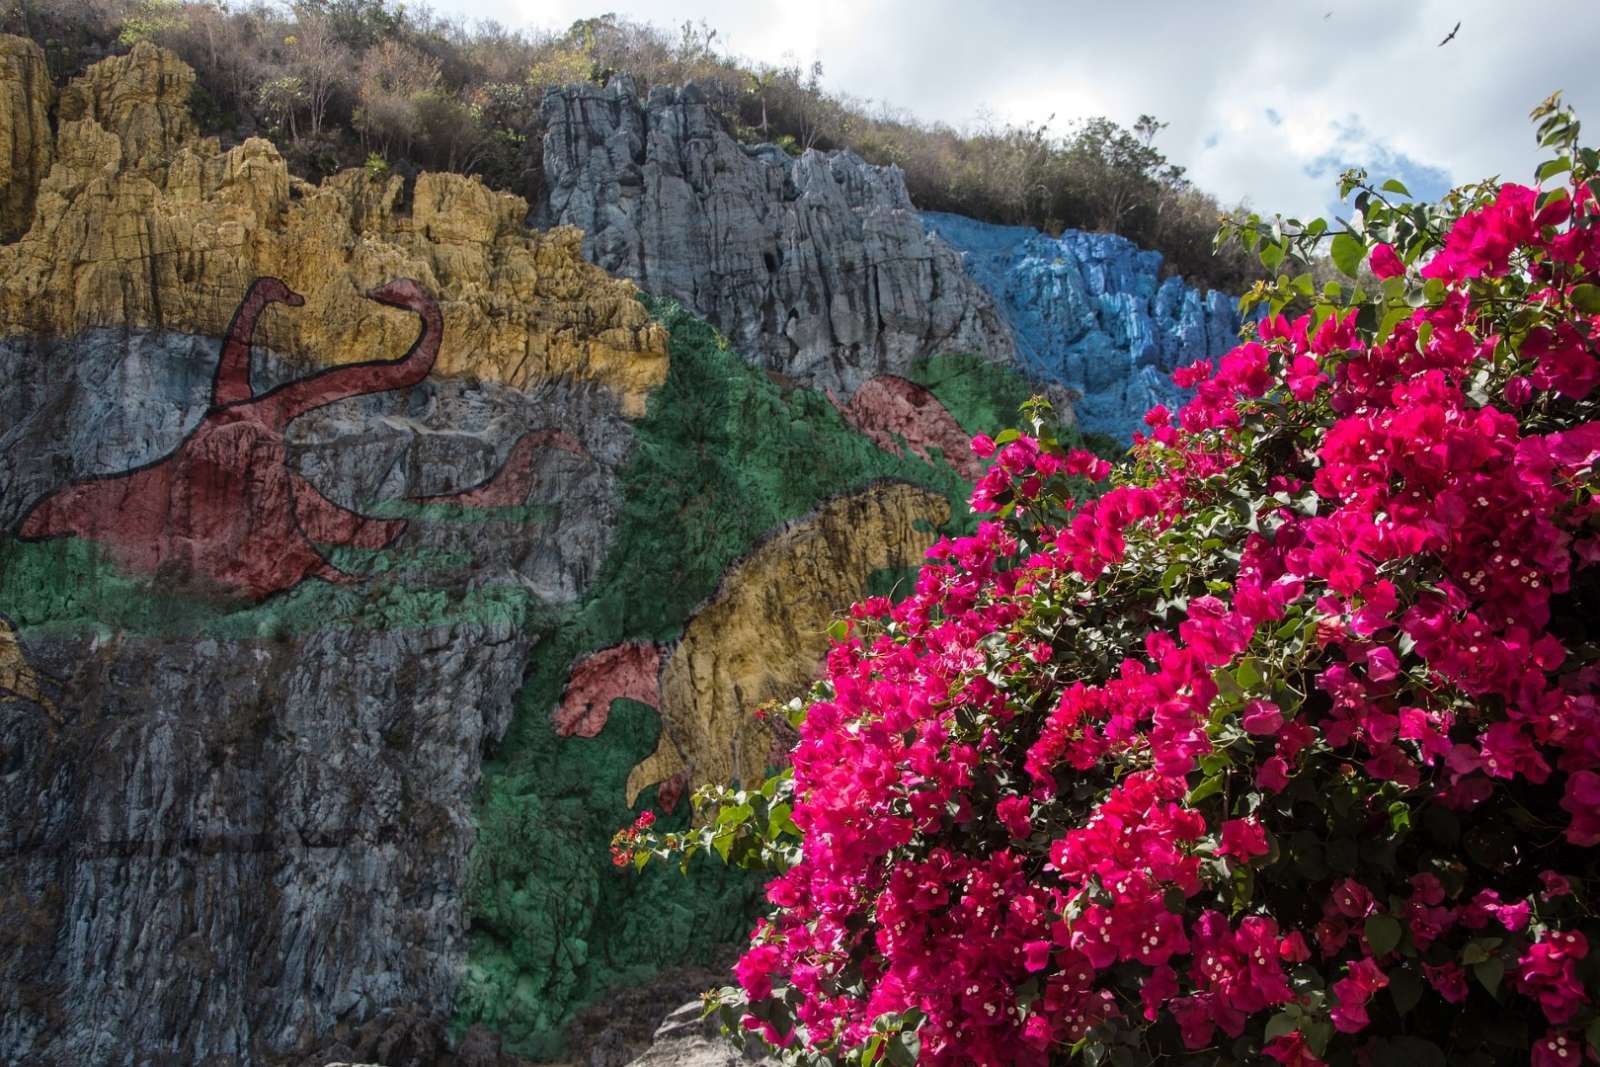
25, 97
142, 222
764, 634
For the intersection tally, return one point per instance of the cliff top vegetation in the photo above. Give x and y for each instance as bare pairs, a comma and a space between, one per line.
339, 83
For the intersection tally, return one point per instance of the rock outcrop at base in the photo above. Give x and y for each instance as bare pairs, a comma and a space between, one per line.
686, 1040
224, 821
816, 267
1091, 312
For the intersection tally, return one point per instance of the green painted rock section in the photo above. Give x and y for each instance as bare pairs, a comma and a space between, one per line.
723, 457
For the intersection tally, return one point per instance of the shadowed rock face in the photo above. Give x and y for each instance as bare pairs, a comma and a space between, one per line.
1091, 312
226, 821
816, 267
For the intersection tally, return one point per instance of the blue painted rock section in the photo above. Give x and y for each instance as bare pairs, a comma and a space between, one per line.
1091, 312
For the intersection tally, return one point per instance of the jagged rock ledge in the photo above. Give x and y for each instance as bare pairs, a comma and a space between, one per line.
816, 267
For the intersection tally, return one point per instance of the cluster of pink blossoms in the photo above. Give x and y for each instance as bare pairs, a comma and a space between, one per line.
1029, 853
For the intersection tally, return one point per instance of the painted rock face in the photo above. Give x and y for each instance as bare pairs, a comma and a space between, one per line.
224, 510
759, 638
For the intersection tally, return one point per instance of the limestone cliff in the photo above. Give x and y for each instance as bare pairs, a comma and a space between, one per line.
140, 222
264, 570
311, 498
817, 268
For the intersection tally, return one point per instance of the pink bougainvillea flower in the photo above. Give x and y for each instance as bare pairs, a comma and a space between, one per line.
1385, 263
1243, 838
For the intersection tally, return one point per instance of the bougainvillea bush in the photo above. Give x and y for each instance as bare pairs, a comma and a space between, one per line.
1285, 746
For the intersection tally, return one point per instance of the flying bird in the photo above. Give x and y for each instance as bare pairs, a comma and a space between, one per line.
1328, 16
1451, 35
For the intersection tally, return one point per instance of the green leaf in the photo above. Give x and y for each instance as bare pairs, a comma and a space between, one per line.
1170, 576
1405, 988
779, 821
1271, 255
1348, 251
1551, 167
1280, 1024
903, 1049
1227, 689
1593, 1034
1550, 196
1586, 298
1395, 185
1207, 787
1383, 934
1489, 973
1391, 319
1318, 1033
839, 629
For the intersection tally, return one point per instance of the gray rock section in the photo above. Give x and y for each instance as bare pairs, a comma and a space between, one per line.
235, 845
685, 1040
239, 848
817, 268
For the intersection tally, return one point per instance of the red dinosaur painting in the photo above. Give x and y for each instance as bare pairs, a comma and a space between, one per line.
629, 670
224, 511
509, 486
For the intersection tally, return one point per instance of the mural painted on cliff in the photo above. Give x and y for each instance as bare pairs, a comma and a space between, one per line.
225, 510
1094, 313
509, 486
553, 520
761, 637
738, 493
890, 410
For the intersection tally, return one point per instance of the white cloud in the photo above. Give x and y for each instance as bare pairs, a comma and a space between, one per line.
1366, 85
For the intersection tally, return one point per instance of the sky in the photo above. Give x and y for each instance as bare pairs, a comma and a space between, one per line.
1266, 101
